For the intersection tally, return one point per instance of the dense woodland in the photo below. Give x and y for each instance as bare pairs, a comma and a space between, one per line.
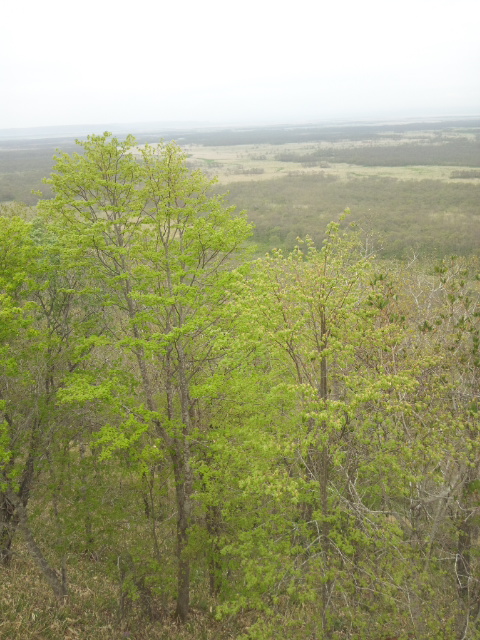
196, 442
404, 217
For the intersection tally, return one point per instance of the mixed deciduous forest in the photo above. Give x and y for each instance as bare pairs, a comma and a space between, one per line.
201, 439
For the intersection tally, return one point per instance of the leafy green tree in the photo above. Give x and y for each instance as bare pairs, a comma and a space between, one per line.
159, 250
312, 442
39, 328
19, 426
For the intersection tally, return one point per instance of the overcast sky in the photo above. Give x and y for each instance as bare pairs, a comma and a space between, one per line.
111, 61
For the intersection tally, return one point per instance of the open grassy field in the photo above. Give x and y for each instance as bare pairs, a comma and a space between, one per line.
250, 163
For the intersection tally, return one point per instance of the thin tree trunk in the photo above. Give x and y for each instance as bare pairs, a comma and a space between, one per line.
8, 526
183, 487
324, 479
87, 522
9, 518
57, 582
213, 519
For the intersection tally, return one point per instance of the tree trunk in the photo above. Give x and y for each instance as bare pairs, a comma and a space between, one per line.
58, 583
8, 525
87, 522
9, 518
213, 520
183, 488
323, 477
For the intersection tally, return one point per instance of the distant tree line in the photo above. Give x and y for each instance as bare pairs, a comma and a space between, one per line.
460, 152
465, 175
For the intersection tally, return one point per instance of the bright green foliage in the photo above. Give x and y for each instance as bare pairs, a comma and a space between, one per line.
315, 437
291, 443
15, 322
158, 250
38, 331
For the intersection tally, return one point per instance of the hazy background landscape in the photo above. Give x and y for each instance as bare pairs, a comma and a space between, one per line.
413, 186
373, 106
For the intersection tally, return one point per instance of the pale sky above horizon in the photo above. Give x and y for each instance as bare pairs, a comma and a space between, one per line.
106, 61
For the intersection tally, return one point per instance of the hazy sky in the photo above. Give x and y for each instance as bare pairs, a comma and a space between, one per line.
108, 61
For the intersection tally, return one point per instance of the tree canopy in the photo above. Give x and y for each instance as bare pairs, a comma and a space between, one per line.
285, 446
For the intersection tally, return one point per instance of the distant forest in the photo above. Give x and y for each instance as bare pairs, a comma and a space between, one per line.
427, 216
461, 152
